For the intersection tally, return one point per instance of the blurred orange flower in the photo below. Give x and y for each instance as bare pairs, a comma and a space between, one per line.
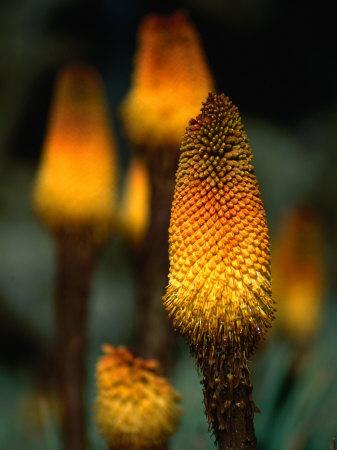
76, 181
171, 78
136, 408
299, 274
135, 206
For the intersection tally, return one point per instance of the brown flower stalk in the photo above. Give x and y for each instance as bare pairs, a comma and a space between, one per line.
74, 197
136, 408
219, 293
170, 79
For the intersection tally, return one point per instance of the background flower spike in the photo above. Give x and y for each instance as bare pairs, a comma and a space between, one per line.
170, 79
135, 205
75, 187
299, 274
136, 407
74, 197
219, 292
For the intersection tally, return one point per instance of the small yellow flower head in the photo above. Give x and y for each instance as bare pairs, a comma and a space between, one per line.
76, 181
136, 408
219, 281
299, 274
135, 207
170, 80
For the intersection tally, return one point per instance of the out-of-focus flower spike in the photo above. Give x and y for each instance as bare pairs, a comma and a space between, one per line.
136, 408
76, 182
219, 292
74, 196
135, 206
171, 78
299, 274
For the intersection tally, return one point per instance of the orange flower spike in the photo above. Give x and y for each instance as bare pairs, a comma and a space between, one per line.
299, 274
219, 292
170, 80
76, 182
219, 281
136, 408
135, 207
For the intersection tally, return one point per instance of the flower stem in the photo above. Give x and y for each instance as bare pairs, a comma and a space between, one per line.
75, 257
239, 432
228, 397
154, 335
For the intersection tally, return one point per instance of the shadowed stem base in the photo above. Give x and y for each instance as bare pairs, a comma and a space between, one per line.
75, 257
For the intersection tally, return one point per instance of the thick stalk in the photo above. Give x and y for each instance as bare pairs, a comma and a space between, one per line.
238, 431
75, 257
228, 397
154, 334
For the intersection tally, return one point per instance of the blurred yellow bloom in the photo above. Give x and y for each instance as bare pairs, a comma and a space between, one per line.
135, 206
136, 408
76, 181
171, 78
219, 282
299, 274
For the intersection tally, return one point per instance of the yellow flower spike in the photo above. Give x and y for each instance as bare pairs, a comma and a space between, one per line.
299, 274
219, 292
136, 408
218, 232
170, 79
135, 206
76, 182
